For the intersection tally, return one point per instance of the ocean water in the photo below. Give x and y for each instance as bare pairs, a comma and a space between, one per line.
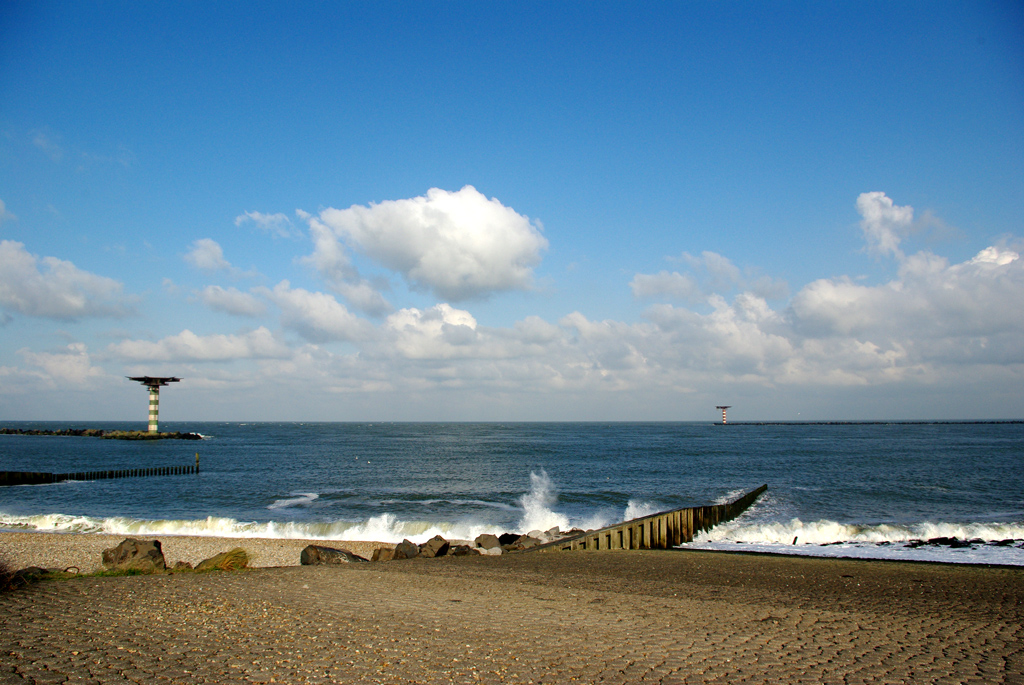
841, 490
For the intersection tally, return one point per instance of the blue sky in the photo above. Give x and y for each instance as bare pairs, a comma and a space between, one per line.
516, 211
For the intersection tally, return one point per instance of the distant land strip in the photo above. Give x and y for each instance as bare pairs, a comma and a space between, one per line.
868, 423
101, 433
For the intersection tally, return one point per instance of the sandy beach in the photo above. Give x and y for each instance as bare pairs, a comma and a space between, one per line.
610, 617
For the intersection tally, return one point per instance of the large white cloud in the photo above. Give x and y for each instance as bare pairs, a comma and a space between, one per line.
72, 365
333, 263
459, 245
187, 346
441, 332
317, 317
53, 288
930, 300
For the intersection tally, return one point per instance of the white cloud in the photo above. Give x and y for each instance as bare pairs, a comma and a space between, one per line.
56, 289
187, 346
995, 256
4, 214
317, 317
722, 273
440, 332
672, 285
207, 255
460, 245
275, 224
231, 301
364, 297
933, 328
884, 224
933, 325
71, 365
333, 263
930, 300
714, 274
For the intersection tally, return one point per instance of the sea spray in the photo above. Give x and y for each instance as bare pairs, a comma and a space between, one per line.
637, 509
537, 505
539, 514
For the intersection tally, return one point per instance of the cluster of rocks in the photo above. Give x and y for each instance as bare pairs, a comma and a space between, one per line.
101, 433
76, 432
131, 556
146, 435
146, 556
952, 543
437, 546
957, 543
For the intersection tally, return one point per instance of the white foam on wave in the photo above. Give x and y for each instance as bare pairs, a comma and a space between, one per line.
637, 509
975, 554
537, 509
457, 502
730, 496
302, 499
830, 532
384, 528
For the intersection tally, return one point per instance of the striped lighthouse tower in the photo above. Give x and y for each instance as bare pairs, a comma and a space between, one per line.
722, 407
154, 383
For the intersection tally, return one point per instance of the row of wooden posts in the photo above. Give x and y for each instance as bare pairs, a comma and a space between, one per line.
40, 478
657, 531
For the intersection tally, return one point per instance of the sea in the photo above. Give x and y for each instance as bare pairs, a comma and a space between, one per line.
864, 490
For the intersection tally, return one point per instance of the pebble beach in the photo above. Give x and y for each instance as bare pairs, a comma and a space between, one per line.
85, 552
611, 617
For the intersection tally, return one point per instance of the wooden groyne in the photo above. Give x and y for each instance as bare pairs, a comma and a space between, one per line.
657, 531
39, 478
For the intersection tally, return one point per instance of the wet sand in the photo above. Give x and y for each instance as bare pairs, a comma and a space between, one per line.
612, 617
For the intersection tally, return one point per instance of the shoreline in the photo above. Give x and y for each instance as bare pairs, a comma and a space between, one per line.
55, 549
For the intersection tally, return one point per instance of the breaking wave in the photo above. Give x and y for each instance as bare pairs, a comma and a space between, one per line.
830, 532
537, 507
302, 499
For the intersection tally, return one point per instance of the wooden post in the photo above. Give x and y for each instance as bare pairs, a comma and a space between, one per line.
197, 462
